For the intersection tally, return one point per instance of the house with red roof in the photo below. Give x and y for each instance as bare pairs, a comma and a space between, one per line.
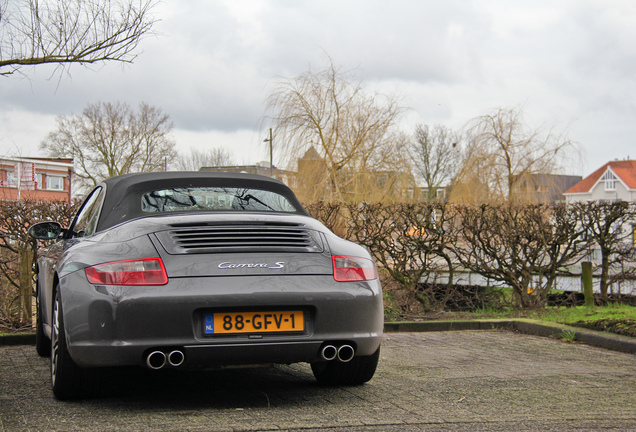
614, 181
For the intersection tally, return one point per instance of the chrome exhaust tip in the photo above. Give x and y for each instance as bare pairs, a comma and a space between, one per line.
329, 352
345, 353
176, 358
156, 360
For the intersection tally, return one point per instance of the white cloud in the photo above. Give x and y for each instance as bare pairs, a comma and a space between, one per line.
245, 146
570, 63
22, 131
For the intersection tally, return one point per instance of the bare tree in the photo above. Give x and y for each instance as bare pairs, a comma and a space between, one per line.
608, 226
110, 139
525, 246
35, 32
17, 254
195, 159
503, 149
331, 214
436, 156
351, 128
410, 241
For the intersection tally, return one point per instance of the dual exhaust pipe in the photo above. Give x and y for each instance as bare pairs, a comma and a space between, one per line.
343, 353
158, 359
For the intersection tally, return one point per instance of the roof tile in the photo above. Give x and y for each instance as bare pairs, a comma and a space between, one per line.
625, 170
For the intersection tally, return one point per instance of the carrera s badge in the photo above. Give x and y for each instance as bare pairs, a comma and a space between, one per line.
229, 265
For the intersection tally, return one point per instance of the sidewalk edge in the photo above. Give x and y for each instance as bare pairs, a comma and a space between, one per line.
595, 338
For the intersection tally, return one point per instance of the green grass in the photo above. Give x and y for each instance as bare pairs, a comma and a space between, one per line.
572, 315
563, 315
17, 332
568, 336
615, 318
556, 314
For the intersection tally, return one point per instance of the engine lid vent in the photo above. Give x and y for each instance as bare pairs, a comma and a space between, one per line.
236, 237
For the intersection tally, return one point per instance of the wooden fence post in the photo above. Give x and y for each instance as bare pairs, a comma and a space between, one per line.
586, 282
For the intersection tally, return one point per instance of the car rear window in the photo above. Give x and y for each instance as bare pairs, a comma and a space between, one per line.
215, 199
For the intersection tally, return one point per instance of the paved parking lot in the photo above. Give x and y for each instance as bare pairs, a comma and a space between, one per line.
442, 381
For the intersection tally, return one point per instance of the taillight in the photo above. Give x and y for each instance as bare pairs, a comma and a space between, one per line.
348, 269
147, 271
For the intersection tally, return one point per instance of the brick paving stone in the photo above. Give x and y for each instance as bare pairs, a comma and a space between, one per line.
440, 381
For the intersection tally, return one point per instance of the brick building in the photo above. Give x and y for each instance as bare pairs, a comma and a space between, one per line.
40, 179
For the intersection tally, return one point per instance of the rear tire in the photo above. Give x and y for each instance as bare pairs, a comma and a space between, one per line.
42, 343
357, 371
68, 380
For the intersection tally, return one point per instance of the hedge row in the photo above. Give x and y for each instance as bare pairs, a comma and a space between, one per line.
523, 246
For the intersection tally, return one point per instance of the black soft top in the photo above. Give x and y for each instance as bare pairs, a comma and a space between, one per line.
122, 201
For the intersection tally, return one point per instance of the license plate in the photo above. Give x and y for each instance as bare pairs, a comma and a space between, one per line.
254, 322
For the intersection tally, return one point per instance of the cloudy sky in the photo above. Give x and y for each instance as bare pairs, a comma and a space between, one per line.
571, 64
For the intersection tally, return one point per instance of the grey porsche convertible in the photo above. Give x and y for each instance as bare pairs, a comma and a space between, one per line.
200, 270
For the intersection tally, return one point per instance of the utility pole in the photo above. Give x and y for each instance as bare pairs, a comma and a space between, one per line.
271, 155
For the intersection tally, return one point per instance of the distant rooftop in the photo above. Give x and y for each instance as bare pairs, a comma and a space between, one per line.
624, 169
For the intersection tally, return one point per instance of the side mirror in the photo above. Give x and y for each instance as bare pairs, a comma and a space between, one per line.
45, 230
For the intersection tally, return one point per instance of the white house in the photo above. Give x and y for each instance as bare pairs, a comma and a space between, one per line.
614, 181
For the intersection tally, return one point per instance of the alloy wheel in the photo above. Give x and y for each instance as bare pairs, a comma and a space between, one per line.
55, 339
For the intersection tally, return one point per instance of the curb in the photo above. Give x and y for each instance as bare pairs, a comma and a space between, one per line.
429, 326
18, 339
600, 339
595, 338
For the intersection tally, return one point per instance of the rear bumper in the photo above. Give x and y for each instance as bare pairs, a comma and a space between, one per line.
117, 325
202, 356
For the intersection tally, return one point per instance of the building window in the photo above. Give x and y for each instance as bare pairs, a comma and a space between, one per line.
55, 183
11, 180
610, 181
